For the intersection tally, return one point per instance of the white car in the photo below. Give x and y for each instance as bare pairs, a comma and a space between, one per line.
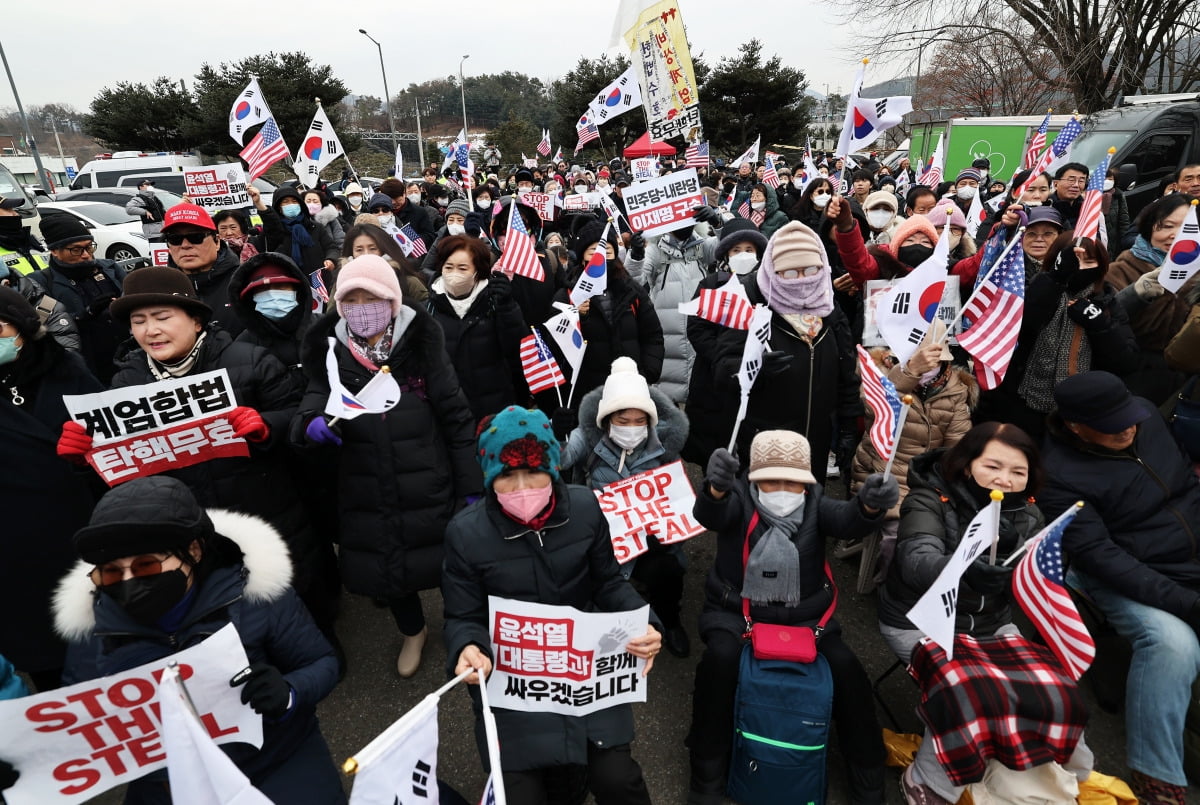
118, 234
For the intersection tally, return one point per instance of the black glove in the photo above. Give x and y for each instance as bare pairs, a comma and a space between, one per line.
775, 362
705, 214
722, 470
564, 421
500, 287
847, 443
474, 223
637, 246
98, 306
880, 492
265, 690
988, 579
1089, 315
1065, 265
8, 775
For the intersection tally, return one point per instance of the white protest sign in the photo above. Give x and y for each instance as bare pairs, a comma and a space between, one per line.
656, 504
165, 425
74, 743
159, 254
542, 202
581, 201
558, 659
217, 187
948, 310
644, 168
663, 204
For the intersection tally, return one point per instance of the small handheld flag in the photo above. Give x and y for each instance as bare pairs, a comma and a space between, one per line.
1184, 258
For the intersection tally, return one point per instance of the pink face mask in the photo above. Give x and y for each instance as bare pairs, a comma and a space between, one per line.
369, 318
524, 504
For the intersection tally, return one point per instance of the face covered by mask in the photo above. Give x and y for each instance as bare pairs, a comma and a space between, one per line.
414, 198
967, 192
781, 503
290, 210
458, 283
147, 599
628, 437
313, 208
879, 219
821, 201
913, 254
581, 188
386, 220
483, 203
455, 229
743, 262
758, 205
1109, 184
798, 183
9, 350
275, 303
369, 318
525, 504
355, 201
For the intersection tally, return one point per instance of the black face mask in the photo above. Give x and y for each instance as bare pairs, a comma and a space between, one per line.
914, 254
10, 224
147, 599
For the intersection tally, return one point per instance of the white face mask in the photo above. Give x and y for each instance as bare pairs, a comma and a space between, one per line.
1109, 184
758, 205
821, 202
878, 219
414, 198
483, 203
798, 183
522, 189
443, 201
458, 283
743, 262
782, 503
581, 188
967, 192
628, 437
455, 229
355, 201
386, 220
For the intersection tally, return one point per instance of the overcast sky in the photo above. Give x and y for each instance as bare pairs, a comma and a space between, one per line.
66, 51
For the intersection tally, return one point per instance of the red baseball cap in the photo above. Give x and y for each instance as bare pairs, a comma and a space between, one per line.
268, 275
187, 213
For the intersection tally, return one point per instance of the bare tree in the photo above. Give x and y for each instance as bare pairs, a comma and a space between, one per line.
971, 75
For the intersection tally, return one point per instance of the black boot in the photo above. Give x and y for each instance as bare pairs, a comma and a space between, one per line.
865, 784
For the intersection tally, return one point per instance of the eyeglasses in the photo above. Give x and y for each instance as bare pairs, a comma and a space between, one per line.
1040, 235
75, 251
1074, 181
797, 273
194, 238
113, 573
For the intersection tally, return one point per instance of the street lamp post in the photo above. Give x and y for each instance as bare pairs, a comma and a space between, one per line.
463, 89
387, 98
37, 157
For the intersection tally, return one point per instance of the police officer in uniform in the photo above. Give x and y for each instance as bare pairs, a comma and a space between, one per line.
17, 245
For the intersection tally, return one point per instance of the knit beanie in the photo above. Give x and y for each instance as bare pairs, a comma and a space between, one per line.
968, 173
517, 438
781, 455
625, 388
796, 246
380, 200
740, 230
61, 230
937, 216
909, 227
371, 273
885, 197
459, 206
589, 235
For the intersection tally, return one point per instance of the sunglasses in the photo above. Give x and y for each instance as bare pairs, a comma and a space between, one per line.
113, 573
194, 238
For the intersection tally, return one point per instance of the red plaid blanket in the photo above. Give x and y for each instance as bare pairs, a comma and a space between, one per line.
1000, 697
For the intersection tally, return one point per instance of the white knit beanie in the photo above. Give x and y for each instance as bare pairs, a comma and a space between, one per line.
625, 388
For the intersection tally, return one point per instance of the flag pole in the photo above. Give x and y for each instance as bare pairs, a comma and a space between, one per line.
575, 377
557, 387
907, 399
1025, 545
996, 495
493, 742
962, 310
743, 403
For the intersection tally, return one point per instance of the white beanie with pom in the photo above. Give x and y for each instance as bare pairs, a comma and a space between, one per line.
625, 388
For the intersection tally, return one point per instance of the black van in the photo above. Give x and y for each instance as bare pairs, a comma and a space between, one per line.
1155, 136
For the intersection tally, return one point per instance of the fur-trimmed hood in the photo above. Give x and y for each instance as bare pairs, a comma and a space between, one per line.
672, 427
327, 214
264, 556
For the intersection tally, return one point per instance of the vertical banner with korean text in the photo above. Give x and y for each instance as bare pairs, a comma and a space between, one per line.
217, 187
663, 204
664, 62
652, 505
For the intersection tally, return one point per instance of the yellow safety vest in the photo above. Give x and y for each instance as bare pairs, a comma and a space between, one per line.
19, 263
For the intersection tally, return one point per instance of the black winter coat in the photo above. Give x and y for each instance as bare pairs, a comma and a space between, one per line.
568, 563
85, 291
819, 386
261, 483
621, 323
484, 346
273, 625
1137, 532
44, 499
212, 287
281, 337
278, 238
402, 474
933, 518
730, 518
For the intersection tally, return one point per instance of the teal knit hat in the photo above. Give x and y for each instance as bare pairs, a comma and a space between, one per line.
517, 438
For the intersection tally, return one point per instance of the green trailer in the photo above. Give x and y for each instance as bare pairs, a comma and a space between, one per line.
1002, 140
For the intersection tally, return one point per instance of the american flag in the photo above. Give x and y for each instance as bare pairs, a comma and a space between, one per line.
466, 168
519, 256
696, 156
1056, 150
587, 130
418, 245
995, 309
543, 147
729, 308
755, 216
1088, 224
320, 292
1038, 588
770, 175
880, 393
541, 370
1036, 143
265, 149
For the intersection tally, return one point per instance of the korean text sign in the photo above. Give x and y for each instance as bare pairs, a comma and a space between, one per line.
558, 659
217, 187
656, 504
148, 429
74, 743
660, 205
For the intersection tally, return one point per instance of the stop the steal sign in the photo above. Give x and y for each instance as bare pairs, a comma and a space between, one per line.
656, 504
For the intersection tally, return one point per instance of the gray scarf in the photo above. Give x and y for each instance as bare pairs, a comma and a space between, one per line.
1050, 362
773, 568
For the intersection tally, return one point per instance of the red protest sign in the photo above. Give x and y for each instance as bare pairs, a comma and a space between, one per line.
656, 504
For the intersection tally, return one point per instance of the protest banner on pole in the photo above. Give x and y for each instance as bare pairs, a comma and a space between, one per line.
74, 743
643, 169
217, 187
663, 204
558, 659
147, 429
663, 59
652, 505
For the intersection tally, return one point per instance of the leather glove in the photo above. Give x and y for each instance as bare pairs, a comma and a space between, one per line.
248, 424
705, 214
500, 287
75, 442
722, 470
318, 431
988, 579
776, 362
1065, 266
847, 444
98, 306
1147, 286
637, 244
880, 492
474, 223
1089, 315
8, 775
266, 691
564, 421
